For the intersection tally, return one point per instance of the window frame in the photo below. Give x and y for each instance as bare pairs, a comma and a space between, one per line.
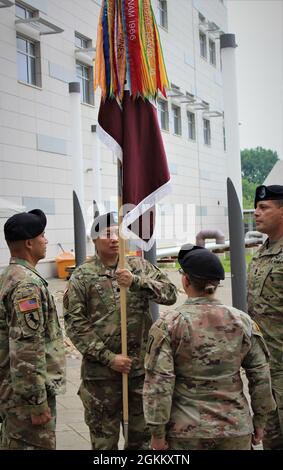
212, 52
206, 132
84, 41
191, 125
163, 13
87, 94
163, 114
30, 58
29, 12
177, 119
203, 44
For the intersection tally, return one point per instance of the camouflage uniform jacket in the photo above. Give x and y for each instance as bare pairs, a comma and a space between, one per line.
193, 387
32, 357
92, 313
265, 297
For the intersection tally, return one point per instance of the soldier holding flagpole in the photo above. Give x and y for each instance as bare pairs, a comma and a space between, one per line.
93, 322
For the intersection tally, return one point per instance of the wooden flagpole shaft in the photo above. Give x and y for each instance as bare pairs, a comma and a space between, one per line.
123, 307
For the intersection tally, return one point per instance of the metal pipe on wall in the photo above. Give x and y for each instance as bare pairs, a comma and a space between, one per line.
234, 181
77, 172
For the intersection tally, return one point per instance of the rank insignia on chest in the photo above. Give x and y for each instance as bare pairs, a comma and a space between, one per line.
26, 305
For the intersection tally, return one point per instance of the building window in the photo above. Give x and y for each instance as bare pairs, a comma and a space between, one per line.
163, 114
84, 74
81, 41
212, 52
177, 120
203, 47
23, 12
191, 125
163, 17
28, 62
206, 132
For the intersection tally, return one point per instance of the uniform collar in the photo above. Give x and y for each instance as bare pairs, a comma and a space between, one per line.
272, 249
202, 300
27, 265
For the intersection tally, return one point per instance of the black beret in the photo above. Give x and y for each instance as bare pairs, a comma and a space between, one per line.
101, 222
25, 225
267, 193
200, 263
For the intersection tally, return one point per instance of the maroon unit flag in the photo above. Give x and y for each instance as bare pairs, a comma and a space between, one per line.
131, 130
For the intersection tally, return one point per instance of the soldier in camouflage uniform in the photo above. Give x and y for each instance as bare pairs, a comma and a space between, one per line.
265, 298
92, 318
32, 358
193, 392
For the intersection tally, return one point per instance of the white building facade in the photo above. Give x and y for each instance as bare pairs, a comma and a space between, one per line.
44, 45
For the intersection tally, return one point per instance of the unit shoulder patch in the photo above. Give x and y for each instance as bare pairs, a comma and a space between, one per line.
32, 320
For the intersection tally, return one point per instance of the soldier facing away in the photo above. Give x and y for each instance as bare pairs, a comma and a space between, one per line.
92, 318
193, 391
32, 357
265, 298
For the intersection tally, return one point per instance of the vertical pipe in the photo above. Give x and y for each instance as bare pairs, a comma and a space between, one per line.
96, 166
234, 182
77, 173
231, 118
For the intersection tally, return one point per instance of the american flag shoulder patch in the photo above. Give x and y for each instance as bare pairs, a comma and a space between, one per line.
26, 305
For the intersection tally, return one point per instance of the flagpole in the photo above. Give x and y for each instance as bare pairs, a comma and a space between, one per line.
123, 307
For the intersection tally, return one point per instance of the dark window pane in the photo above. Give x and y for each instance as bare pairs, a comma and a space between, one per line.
85, 91
86, 72
84, 43
31, 48
31, 70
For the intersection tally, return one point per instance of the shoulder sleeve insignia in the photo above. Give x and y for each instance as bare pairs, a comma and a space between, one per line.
149, 343
27, 305
32, 320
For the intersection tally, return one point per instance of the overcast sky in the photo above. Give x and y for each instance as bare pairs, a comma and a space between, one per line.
258, 26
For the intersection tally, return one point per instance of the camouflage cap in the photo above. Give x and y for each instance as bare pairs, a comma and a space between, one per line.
25, 225
267, 193
101, 222
200, 262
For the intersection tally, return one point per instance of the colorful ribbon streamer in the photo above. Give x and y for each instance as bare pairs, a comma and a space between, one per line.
128, 49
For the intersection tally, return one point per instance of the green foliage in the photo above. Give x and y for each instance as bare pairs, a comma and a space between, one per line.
227, 265
257, 164
248, 194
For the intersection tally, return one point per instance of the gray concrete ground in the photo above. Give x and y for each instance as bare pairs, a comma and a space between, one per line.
72, 432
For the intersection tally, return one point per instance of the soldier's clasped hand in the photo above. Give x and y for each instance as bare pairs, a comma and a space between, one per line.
43, 418
124, 277
121, 364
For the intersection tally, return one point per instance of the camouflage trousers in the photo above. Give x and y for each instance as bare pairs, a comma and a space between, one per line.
273, 432
17, 432
225, 443
102, 400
